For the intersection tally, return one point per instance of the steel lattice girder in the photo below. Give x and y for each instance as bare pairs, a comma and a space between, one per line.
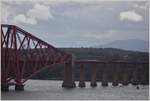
23, 55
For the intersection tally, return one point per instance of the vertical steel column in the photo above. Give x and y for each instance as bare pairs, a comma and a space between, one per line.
19, 86
4, 61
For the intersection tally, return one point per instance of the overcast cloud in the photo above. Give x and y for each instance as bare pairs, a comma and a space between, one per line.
79, 23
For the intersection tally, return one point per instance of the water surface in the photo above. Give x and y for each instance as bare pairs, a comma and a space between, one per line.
52, 90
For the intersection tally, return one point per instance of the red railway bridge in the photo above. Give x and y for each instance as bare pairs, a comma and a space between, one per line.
23, 55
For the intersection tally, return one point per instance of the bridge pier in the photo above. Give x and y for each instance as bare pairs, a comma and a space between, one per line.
68, 75
93, 76
125, 75
135, 76
4, 87
115, 76
144, 74
125, 81
143, 79
104, 76
135, 80
19, 87
81, 82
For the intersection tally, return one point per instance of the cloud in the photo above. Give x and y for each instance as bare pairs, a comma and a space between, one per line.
130, 16
101, 34
54, 1
38, 12
21, 18
80, 23
6, 12
141, 5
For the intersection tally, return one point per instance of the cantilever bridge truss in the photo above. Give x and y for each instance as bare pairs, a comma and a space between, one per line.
24, 55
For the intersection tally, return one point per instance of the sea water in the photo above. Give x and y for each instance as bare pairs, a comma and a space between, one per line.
52, 90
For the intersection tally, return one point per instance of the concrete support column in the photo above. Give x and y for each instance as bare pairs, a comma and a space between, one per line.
82, 82
134, 79
93, 76
144, 76
104, 76
19, 87
125, 74
68, 75
144, 79
4, 87
115, 76
125, 81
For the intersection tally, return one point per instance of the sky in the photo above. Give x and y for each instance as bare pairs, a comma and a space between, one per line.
79, 23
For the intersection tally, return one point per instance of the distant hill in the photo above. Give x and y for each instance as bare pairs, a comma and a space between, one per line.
131, 44
106, 54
